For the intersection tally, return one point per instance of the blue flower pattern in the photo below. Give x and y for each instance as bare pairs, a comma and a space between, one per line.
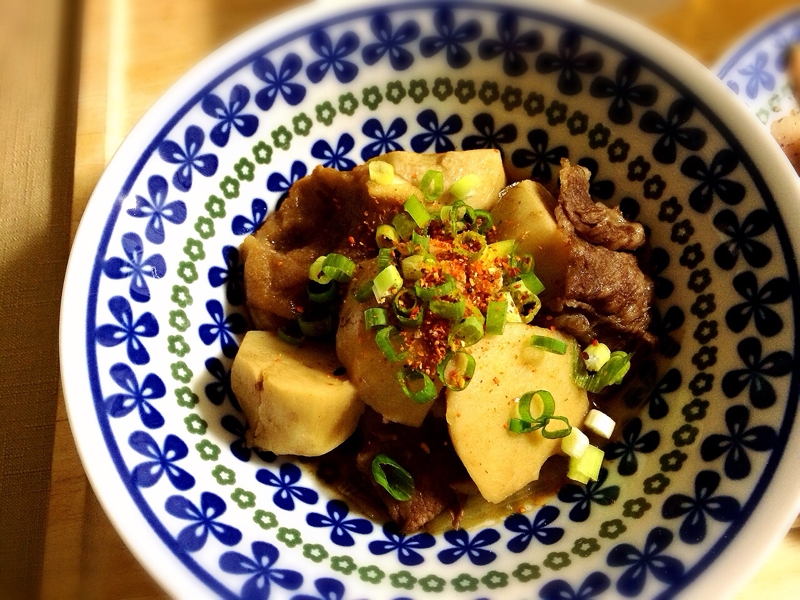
135, 396
128, 330
230, 115
335, 158
650, 560
203, 521
332, 57
385, 140
222, 328
536, 528
511, 45
390, 42
735, 444
756, 371
341, 527
135, 266
695, 508
406, 546
758, 76
435, 135
244, 224
632, 442
239, 447
474, 548
219, 389
148, 473
157, 210
583, 496
232, 274
188, 158
595, 584
451, 38
286, 481
261, 571
279, 81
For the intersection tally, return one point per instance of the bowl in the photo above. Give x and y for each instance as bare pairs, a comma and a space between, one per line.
701, 484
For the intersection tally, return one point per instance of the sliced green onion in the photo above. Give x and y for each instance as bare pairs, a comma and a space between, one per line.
386, 236
512, 314
574, 444
381, 172
317, 325
496, 316
315, 272
338, 267
432, 185
549, 344
528, 311
364, 292
387, 341
404, 225
375, 317
385, 258
548, 405
415, 266
424, 391
554, 434
610, 373
521, 293
466, 333
422, 241
525, 263
321, 293
483, 221
587, 467
393, 478
408, 308
417, 210
595, 356
452, 310
429, 293
532, 282
387, 283
470, 243
456, 370
465, 187
600, 423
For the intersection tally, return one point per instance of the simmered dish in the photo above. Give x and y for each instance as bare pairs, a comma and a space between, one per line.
436, 333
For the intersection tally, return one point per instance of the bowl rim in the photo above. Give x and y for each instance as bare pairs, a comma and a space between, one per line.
761, 530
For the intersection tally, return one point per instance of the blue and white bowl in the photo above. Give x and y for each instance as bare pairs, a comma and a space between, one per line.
704, 480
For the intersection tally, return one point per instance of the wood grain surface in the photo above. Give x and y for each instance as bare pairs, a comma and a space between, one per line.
132, 51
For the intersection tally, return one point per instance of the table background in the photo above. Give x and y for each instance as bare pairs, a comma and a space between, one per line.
75, 76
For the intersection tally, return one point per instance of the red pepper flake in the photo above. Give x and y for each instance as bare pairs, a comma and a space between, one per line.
352, 240
425, 448
594, 342
552, 327
496, 380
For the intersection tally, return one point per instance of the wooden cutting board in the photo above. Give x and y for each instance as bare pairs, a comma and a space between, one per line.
132, 51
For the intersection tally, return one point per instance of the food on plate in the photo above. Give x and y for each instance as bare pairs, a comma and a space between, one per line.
786, 130
437, 333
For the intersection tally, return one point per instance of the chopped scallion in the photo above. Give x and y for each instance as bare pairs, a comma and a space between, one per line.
587, 467
483, 221
387, 283
315, 272
470, 243
385, 258
316, 325
596, 355
432, 185
466, 333
429, 293
549, 344
338, 267
363, 293
386, 236
393, 478
321, 293
423, 388
496, 316
456, 370
452, 310
404, 224
417, 210
375, 317
415, 266
388, 343
408, 308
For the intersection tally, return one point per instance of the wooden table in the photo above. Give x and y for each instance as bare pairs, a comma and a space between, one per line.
133, 50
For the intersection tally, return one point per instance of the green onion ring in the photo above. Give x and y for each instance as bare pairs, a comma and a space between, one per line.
375, 317
364, 292
456, 370
496, 312
452, 310
432, 185
417, 210
429, 293
548, 405
464, 240
466, 332
393, 478
386, 236
423, 395
383, 338
338, 267
483, 221
553, 434
549, 344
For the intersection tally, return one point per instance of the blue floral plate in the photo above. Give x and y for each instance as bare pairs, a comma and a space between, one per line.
755, 68
700, 484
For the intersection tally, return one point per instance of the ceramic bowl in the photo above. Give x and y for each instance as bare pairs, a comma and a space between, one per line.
702, 482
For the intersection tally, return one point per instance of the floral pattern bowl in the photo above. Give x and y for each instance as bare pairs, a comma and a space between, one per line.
699, 483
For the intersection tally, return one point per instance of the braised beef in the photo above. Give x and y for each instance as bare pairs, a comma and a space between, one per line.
593, 221
426, 453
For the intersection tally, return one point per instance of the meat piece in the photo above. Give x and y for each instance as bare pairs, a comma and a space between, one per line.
608, 288
312, 221
594, 221
426, 453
